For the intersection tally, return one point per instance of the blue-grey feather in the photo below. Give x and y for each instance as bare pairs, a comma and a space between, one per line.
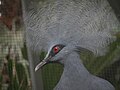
91, 24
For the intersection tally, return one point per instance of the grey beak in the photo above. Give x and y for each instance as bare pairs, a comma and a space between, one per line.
42, 63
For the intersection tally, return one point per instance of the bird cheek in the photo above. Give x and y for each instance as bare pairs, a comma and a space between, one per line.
56, 58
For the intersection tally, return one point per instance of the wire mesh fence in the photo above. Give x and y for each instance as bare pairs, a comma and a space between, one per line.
14, 64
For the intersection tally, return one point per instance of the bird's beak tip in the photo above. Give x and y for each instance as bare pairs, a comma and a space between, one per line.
40, 65
36, 69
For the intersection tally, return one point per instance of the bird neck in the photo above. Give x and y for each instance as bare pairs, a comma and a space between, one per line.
74, 73
74, 65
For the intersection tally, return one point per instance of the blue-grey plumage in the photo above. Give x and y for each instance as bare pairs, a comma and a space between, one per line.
88, 24
75, 76
72, 21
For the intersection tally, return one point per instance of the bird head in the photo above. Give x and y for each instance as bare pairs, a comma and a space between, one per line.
56, 53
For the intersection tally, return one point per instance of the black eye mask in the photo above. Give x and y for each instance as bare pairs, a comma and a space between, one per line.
56, 49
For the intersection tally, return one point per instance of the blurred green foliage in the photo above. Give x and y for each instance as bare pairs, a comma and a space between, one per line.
14, 72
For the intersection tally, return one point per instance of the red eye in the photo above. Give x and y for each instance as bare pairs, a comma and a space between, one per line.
56, 49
